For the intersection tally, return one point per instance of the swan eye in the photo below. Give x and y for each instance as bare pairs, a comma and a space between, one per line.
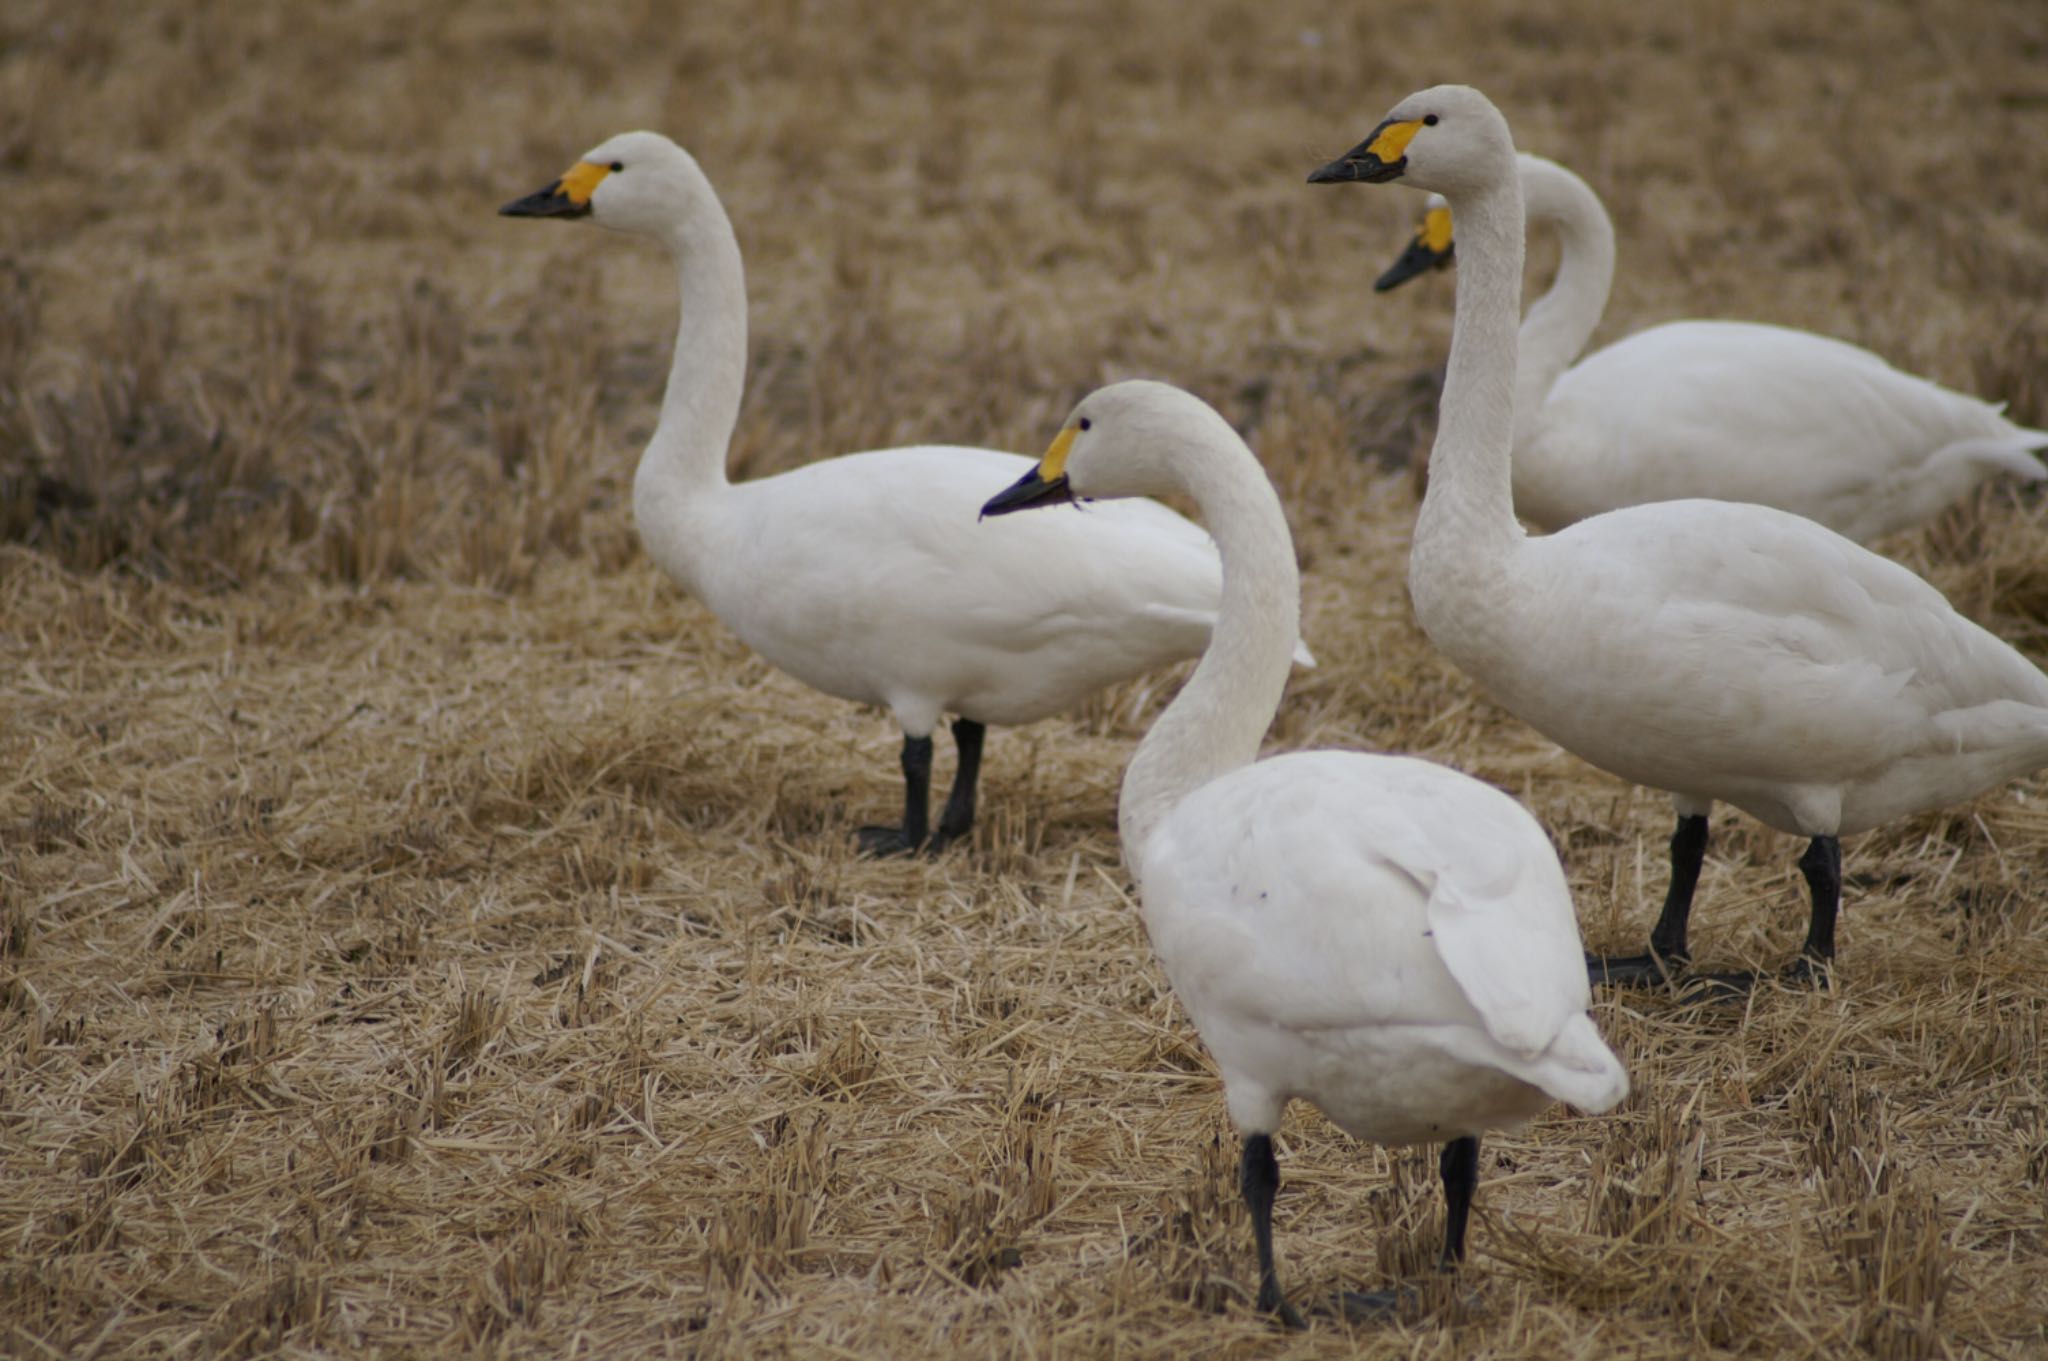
1087, 424
1428, 120
617, 166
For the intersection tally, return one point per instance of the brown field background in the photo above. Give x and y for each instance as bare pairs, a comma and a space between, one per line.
424, 931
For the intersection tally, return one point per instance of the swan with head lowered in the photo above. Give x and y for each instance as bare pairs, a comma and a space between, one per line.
1714, 650
1732, 410
865, 576
1383, 937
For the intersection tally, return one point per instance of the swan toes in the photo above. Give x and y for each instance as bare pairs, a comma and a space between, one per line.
1807, 971
1372, 1306
1716, 987
1633, 971
882, 842
1271, 1301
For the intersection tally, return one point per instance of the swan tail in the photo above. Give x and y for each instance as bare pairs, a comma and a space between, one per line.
2015, 453
1578, 1068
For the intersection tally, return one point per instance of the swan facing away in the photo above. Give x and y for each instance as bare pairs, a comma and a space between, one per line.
1732, 410
1714, 650
1383, 937
865, 576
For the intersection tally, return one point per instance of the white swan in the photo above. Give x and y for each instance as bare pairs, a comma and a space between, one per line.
1386, 938
1707, 648
865, 576
1732, 410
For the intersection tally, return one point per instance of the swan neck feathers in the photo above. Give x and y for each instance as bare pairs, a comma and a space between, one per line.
685, 460
1467, 527
1217, 721
1561, 322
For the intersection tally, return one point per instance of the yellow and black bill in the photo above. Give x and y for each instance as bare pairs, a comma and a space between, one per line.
568, 196
1430, 248
1044, 485
1379, 158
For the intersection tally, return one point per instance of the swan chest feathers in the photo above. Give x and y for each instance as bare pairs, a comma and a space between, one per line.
1385, 938
1743, 654
869, 578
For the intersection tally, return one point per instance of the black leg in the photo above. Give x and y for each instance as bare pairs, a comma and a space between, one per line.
917, 795
1822, 866
1459, 1168
1259, 1178
1668, 950
959, 815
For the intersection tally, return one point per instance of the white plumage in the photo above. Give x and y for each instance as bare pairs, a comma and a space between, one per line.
1732, 410
1383, 937
1715, 650
866, 576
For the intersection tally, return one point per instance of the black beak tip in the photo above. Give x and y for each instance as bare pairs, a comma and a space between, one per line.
1358, 170
548, 202
1027, 491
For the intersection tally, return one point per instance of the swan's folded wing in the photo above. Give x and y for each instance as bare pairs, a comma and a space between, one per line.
1327, 891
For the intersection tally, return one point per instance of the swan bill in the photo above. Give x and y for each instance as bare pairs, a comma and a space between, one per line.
1431, 248
568, 196
1044, 485
1379, 158
1029, 491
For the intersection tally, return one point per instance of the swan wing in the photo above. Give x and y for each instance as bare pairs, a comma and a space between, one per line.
1767, 414
1709, 647
872, 576
1332, 891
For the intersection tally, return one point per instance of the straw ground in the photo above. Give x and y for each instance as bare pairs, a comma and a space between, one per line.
423, 931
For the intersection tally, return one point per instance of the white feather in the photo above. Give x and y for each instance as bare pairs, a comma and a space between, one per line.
1715, 650
866, 576
1728, 410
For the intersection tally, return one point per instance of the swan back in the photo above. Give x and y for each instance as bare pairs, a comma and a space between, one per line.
1379, 935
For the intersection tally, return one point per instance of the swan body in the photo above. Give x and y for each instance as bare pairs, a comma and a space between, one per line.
1071, 603
1729, 410
1714, 650
866, 576
1383, 937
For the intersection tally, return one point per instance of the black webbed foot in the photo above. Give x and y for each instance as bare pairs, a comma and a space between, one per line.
884, 841
1633, 971
1285, 1314
1373, 1306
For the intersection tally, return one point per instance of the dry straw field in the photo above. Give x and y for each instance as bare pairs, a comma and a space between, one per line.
423, 931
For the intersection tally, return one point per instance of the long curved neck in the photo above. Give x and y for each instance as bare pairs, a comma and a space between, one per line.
1217, 721
1562, 320
1467, 525
684, 462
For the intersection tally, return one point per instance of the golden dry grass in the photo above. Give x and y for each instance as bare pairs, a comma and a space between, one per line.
424, 932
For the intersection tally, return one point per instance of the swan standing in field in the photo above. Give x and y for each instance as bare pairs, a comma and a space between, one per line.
865, 576
1386, 938
1707, 648
1732, 410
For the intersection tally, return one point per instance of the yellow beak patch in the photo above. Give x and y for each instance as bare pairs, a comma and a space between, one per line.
1055, 461
580, 181
1435, 233
1392, 143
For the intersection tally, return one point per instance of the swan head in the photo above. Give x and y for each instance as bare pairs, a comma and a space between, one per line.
1431, 247
638, 182
1127, 439
1448, 138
